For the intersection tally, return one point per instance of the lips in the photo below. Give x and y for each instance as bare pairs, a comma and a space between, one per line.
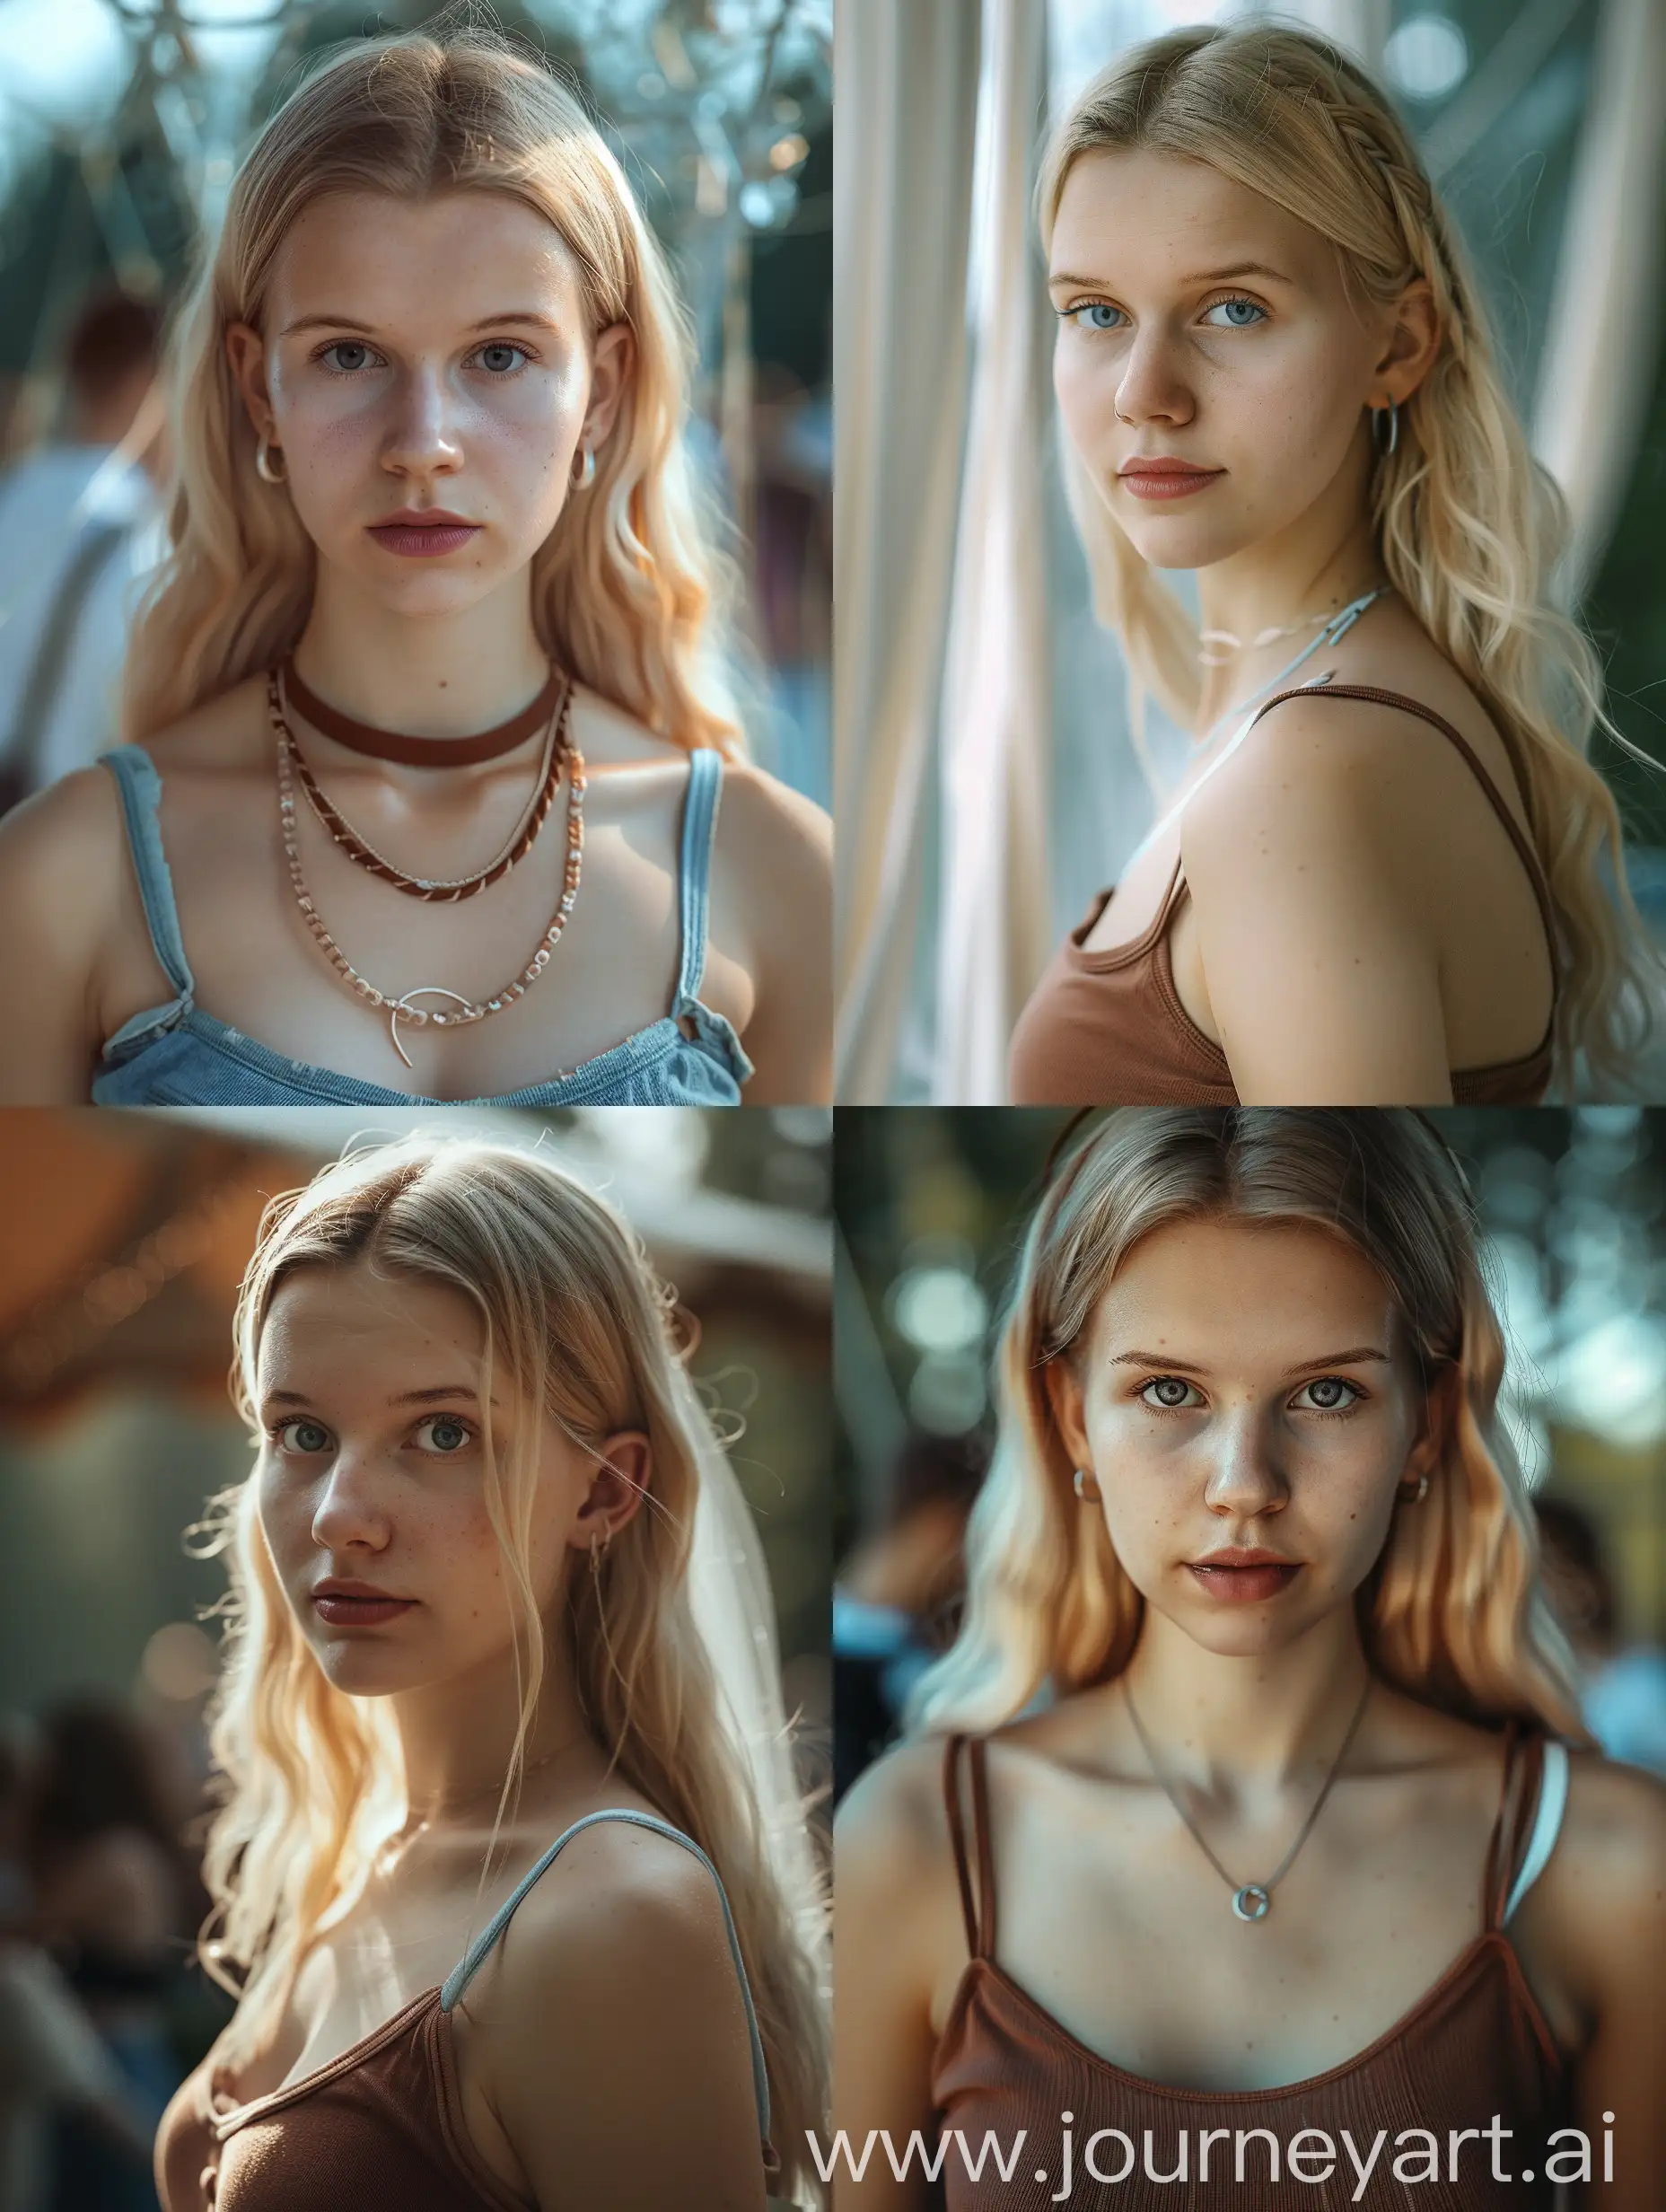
424, 534
1166, 478
357, 1605
1243, 1577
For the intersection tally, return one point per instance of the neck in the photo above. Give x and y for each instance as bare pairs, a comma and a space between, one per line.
446, 675
1264, 1720
456, 1737
1324, 561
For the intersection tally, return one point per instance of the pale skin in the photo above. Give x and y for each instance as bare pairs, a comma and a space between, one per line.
433, 354
1108, 1914
1359, 923
615, 1971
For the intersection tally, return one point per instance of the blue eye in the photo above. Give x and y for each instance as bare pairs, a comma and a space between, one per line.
347, 346
1328, 1393
498, 366
1170, 1394
1238, 321
446, 1435
1094, 315
303, 1435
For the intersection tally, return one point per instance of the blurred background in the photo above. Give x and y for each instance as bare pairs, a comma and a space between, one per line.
123, 1237
121, 124
931, 1207
981, 813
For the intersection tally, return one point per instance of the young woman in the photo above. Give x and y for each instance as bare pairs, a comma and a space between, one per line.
427, 731
1256, 1810
514, 1888
1379, 879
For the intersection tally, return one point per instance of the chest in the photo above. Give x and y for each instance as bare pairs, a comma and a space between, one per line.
1109, 1918
260, 969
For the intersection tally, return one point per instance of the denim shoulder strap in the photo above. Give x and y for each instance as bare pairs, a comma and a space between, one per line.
699, 824
140, 787
464, 1973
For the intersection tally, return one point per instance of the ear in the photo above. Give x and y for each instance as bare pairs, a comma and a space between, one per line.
622, 1469
1435, 1430
612, 364
1063, 1392
245, 349
1414, 340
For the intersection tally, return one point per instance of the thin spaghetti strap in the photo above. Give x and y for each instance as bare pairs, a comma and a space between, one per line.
1524, 1762
1525, 851
986, 1852
957, 1837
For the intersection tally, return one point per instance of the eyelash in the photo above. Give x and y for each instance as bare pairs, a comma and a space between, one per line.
1069, 314
1322, 1413
278, 1430
498, 376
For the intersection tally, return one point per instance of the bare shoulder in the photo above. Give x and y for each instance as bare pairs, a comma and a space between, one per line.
775, 850
228, 733
892, 1830
67, 838
1612, 1846
1304, 767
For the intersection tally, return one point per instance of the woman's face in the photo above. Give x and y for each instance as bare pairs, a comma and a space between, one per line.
427, 354
373, 1477
1216, 324
1245, 1388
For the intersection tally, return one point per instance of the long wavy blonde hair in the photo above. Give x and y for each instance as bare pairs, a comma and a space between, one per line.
1468, 525
311, 1779
630, 592
1452, 1613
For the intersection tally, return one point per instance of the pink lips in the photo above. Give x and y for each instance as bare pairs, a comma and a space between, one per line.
421, 534
1236, 1576
1166, 478
357, 1605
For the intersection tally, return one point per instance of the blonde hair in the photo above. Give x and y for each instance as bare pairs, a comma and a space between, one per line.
1470, 526
1452, 1613
577, 1323
626, 587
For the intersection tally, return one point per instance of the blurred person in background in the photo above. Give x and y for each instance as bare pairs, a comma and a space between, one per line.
896, 1604
55, 2069
80, 528
430, 693
1622, 1686
501, 1666
115, 1905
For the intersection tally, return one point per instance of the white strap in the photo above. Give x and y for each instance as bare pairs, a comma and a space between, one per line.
1546, 1826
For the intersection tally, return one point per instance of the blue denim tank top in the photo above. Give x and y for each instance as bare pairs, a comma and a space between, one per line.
176, 1055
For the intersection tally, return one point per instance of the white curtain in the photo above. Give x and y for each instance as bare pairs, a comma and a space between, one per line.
905, 129
1600, 360
995, 924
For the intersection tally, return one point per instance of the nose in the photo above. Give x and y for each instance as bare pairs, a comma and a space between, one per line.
1245, 1478
422, 437
1152, 390
349, 1514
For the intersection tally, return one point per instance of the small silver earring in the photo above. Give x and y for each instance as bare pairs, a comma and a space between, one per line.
1087, 1486
1385, 446
264, 469
584, 475
1414, 1497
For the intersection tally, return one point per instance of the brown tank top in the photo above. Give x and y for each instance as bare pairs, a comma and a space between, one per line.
1107, 1029
1475, 2044
383, 2124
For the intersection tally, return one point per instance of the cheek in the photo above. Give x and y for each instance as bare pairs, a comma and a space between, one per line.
1084, 385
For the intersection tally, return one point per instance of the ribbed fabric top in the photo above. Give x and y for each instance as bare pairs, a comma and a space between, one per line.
383, 2124
1474, 2045
1107, 1029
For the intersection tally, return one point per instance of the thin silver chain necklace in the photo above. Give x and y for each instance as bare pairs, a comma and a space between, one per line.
1251, 1901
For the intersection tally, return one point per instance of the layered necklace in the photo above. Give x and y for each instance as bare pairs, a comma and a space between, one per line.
552, 706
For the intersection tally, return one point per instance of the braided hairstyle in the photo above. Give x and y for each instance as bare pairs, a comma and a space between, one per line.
1468, 525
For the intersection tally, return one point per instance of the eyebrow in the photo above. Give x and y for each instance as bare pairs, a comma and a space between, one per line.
353, 322
444, 1392
1355, 1356
1205, 277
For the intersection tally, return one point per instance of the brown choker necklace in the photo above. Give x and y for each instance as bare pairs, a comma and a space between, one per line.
422, 752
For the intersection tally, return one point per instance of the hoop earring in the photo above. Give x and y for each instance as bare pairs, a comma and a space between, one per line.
584, 475
264, 469
1416, 1495
1385, 446
1086, 1486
